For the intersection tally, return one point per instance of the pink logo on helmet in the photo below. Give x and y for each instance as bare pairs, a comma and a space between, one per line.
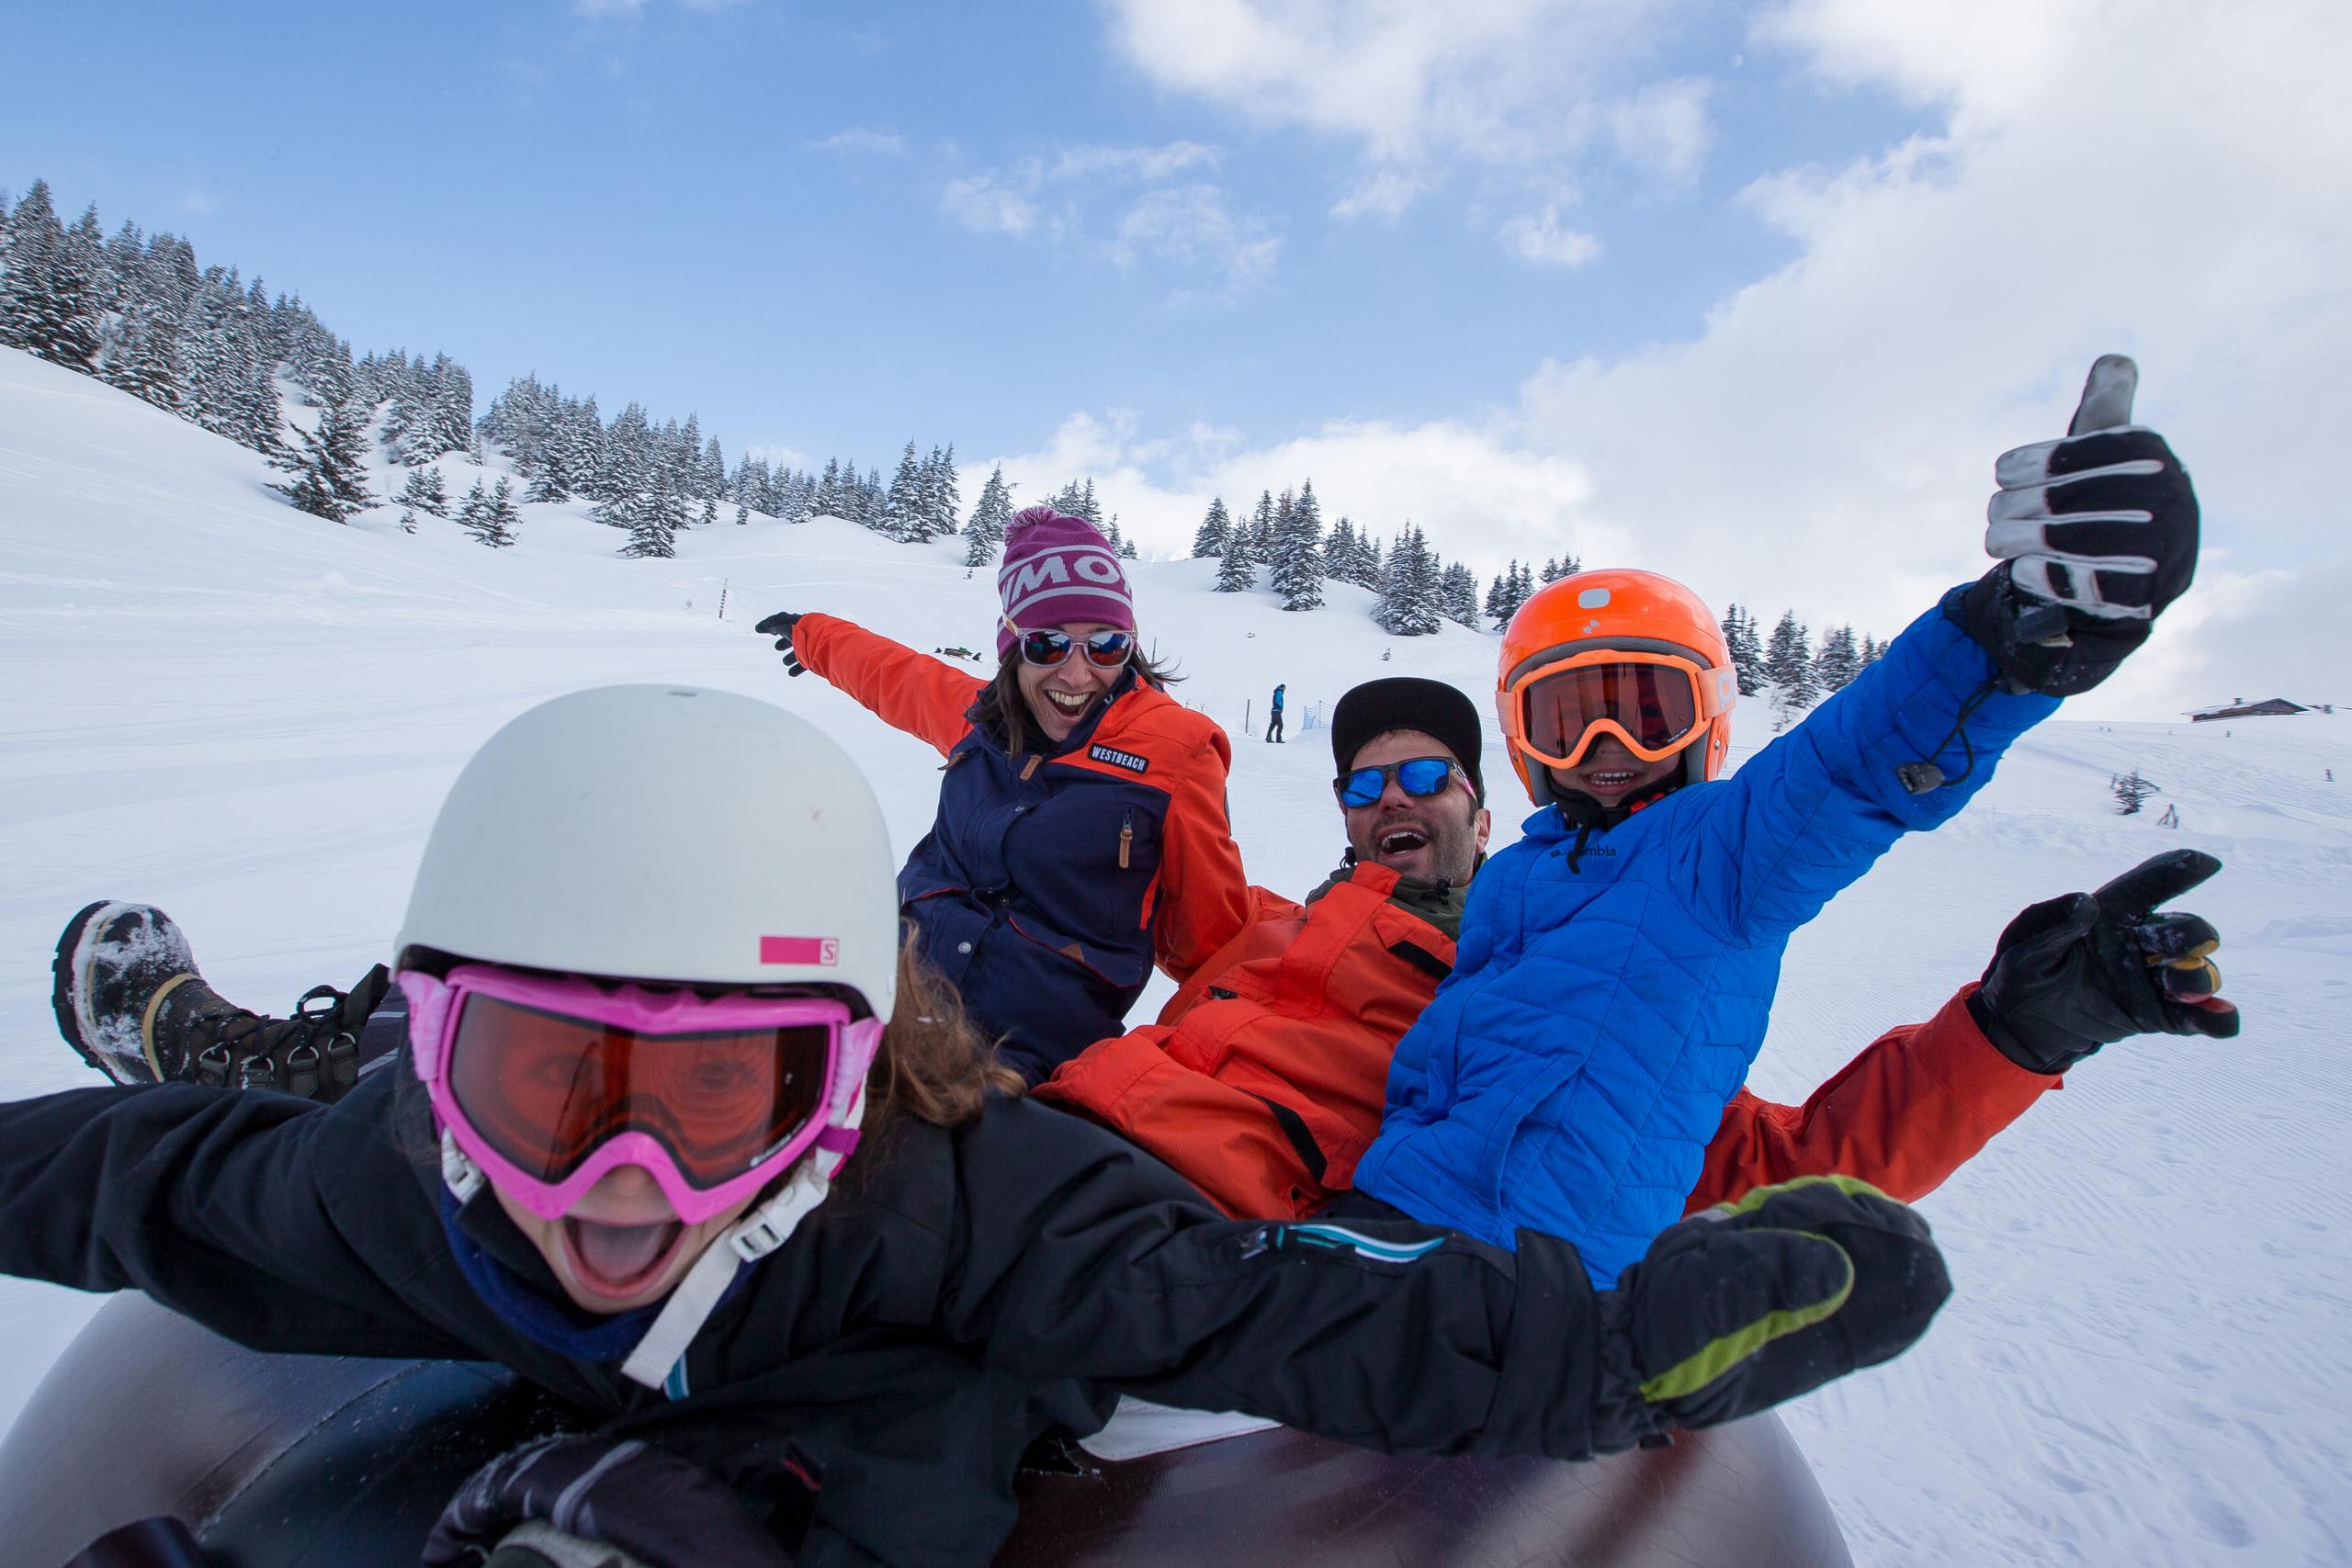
823, 951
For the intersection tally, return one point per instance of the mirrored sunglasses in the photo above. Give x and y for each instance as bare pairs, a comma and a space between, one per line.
1418, 777
1104, 650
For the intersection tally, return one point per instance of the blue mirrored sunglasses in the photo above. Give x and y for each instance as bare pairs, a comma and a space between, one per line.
1418, 776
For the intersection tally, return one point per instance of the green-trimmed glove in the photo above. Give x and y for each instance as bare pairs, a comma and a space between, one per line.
1749, 1303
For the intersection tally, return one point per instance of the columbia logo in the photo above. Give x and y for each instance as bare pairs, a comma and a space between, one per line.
1119, 759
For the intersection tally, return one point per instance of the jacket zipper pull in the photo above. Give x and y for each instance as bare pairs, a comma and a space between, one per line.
1126, 836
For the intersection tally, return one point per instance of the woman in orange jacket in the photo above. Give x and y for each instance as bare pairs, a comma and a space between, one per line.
1081, 834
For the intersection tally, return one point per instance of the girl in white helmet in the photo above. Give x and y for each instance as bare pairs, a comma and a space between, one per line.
681, 1135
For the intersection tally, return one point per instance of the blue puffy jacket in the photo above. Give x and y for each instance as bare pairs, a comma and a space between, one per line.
1605, 1005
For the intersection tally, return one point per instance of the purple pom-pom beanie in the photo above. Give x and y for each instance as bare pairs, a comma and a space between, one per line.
1058, 571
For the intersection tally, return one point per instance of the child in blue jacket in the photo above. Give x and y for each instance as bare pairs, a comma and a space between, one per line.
1617, 965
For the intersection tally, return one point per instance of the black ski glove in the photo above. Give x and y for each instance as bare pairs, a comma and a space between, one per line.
779, 627
2096, 534
2073, 974
1749, 1303
574, 1502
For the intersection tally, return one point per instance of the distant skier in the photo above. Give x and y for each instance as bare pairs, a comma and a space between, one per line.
663, 1248
1274, 717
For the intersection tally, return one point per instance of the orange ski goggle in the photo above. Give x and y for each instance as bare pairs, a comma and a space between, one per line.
1656, 704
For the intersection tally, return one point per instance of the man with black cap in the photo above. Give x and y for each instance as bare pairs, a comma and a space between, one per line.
1264, 1079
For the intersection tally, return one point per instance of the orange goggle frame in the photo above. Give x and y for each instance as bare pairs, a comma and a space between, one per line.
1611, 689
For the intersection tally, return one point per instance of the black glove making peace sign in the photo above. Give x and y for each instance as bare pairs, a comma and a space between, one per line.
2076, 973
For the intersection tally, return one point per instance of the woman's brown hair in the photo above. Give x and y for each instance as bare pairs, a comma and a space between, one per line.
1000, 713
934, 1065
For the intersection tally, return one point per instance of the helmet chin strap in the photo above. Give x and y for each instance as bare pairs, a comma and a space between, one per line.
768, 1225
694, 1298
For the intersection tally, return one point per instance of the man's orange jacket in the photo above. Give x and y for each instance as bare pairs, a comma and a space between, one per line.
1264, 1080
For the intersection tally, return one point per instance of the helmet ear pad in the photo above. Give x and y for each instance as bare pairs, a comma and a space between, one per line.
1702, 759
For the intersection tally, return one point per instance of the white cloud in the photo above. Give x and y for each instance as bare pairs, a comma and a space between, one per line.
1128, 163
1384, 193
2175, 184
1190, 228
196, 201
1520, 90
861, 140
1537, 238
1476, 495
1662, 129
986, 205
1193, 227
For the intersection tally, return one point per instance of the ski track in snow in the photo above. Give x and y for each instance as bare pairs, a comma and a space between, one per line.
210, 702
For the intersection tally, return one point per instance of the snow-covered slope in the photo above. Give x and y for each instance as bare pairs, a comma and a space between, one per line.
215, 703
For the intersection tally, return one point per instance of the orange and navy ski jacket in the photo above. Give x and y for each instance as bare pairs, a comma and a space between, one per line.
1048, 886
1264, 1080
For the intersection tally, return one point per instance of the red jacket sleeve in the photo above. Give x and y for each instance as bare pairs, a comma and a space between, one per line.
1204, 893
1913, 1108
906, 689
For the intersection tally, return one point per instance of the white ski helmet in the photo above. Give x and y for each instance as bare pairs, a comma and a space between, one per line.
663, 833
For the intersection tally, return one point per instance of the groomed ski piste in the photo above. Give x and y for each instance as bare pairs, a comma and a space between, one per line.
246, 715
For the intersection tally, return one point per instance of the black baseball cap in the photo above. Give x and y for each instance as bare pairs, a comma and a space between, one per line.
1409, 702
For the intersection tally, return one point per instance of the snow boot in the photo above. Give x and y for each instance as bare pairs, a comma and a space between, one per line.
131, 1002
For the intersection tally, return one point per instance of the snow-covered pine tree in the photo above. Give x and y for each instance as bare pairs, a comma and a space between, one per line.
1788, 664
330, 480
1553, 570
1458, 590
139, 358
709, 511
1839, 660
424, 492
490, 518
711, 483
1409, 605
1297, 561
653, 526
47, 304
943, 494
902, 516
1747, 649
1261, 528
1340, 550
546, 485
991, 515
1238, 571
1216, 529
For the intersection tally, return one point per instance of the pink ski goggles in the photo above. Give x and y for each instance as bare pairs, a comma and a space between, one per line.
547, 1083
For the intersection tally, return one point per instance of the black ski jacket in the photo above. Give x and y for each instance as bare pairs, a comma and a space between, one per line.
966, 1290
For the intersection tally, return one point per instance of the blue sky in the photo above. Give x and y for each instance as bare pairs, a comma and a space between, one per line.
1751, 293
748, 210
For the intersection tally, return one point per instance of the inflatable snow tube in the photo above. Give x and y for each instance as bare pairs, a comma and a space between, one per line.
297, 1461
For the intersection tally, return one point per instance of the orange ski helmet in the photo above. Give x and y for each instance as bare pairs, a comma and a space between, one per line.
1632, 640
